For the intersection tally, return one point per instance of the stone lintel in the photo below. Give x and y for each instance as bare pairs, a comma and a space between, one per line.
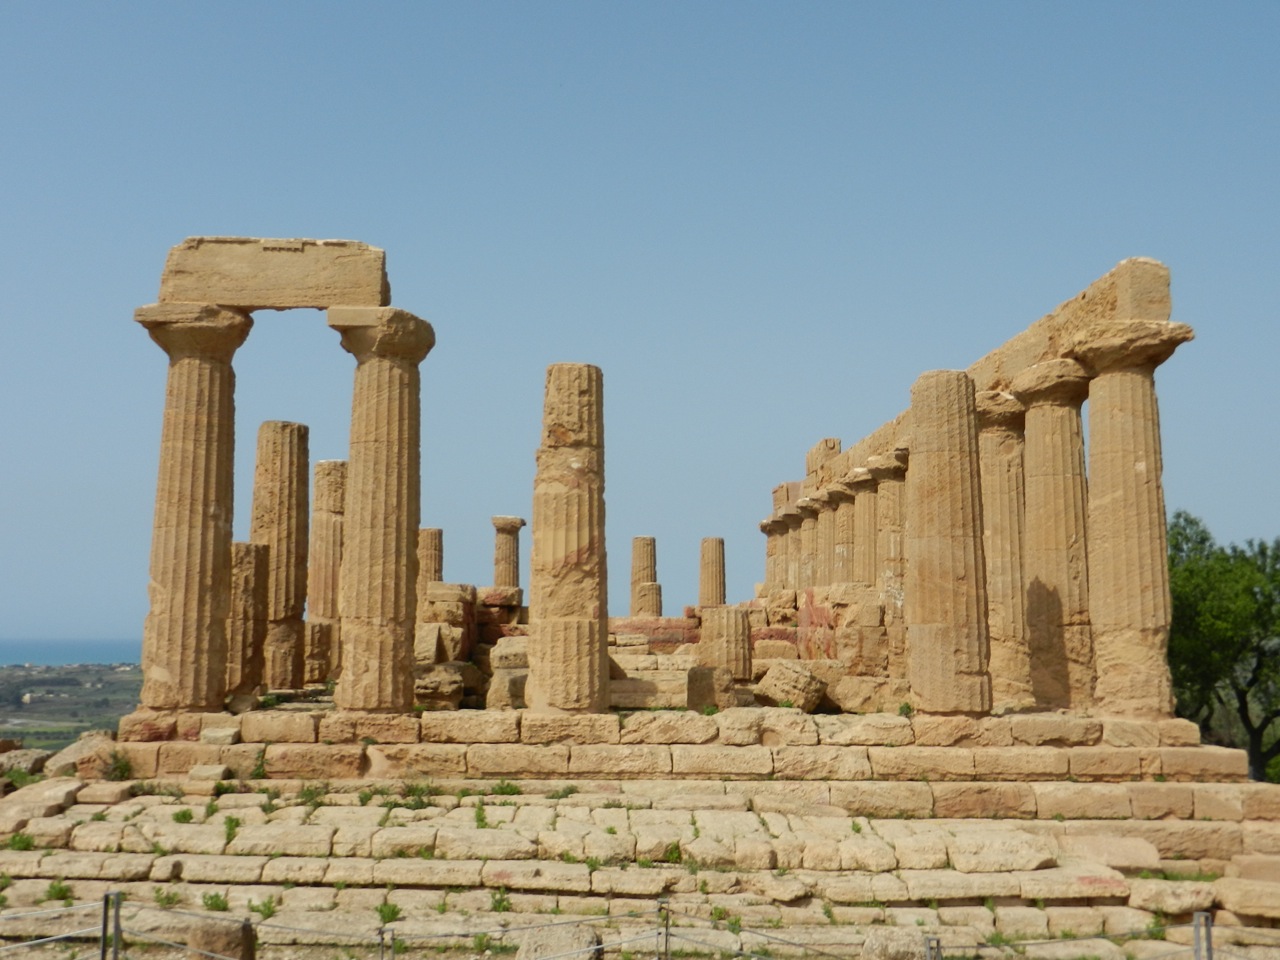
250, 273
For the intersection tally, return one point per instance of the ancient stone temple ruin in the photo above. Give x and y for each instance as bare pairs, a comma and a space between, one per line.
948, 704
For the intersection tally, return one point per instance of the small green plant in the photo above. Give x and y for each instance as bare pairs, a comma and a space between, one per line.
165, 899
566, 791
505, 788
710, 710
593, 864
269, 701
99, 816
259, 771
482, 819
4, 901
215, 901
210, 809
229, 826
990, 904
567, 856
21, 841
499, 902
786, 703
442, 907
612, 831
388, 912
313, 794
20, 778
183, 815
58, 890
6, 881
856, 826
119, 767
363, 797
718, 914
266, 909
644, 863
672, 853
734, 925
222, 788
1156, 929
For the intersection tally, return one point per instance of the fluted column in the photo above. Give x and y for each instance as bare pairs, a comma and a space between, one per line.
506, 551
279, 522
775, 574
725, 641
866, 521
322, 654
946, 597
890, 472
646, 592
184, 641
1055, 558
1128, 567
825, 539
711, 572
568, 603
430, 555
842, 497
1000, 419
247, 623
808, 538
383, 501
790, 516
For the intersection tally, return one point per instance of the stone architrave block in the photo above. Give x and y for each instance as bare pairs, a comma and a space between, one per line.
789, 682
248, 273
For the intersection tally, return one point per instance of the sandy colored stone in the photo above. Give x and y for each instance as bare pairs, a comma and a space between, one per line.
310, 761
279, 522
568, 666
500, 759
232, 939
275, 726
946, 596
646, 592
380, 522
999, 851
1021, 763
820, 763
725, 640
870, 799
506, 551
1178, 733
322, 650
469, 726
711, 572
982, 800
875, 729
1082, 801
1171, 898
1253, 898
790, 683
248, 273
430, 555
668, 727
574, 940
624, 760
921, 763
1040, 729
553, 728
711, 760
1204, 763
184, 644
1157, 801
247, 623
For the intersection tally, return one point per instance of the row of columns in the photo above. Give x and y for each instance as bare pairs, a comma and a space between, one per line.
1029, 581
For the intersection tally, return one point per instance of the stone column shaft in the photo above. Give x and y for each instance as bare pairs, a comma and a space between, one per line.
322, 653
379, 560
842, 534
1129, 603
711, 573
184, 642
247, 624
889, 472
791, 517
431, 555
506, 551
279, 522
826, 540
946, 597
865, 531
1055, 567
808, 542
568, 604
725, 641
646, 592
1000, 441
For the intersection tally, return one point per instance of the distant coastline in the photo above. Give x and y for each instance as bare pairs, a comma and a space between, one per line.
61, 652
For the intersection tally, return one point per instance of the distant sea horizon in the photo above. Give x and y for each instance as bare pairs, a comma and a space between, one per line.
53, 653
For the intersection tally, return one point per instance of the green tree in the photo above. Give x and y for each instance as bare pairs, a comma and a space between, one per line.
1224, 644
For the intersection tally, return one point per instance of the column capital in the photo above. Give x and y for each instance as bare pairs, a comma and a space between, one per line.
385, 332
808, 507
772, 526
790, 515
1059, 382
1135, 344
888, 466
508, 524
203, 330
999, 409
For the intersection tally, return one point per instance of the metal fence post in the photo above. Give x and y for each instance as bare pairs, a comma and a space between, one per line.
1203, 934
933, 948
106, 926
665, 907
116, 935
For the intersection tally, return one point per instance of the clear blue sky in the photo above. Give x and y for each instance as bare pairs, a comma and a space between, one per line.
762, 220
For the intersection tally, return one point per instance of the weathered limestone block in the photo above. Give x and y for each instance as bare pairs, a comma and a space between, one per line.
471, 727
447, 686
1251, 898
668, 727
247, 624
279, 522
711, 573
233, 939
725, 640
446, 622
946, 597
999, 851
983, 800
322, 650
247, 273
379, 560
1130, 610
873, 729
790, 683
568, 666
1055, 551
576, 940
184, 642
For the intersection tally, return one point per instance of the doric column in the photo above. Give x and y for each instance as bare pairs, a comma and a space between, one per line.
506, 551
1128, 567
725, 640
430, 555
646, 592
1055, 557
866, 522
184, 641
380, 524
946, 597
808, 538
842, 496
790, 516
247, 624
568, 602
775, 574
890, 473
279, 522
322, 654
1000, 418
825, 546
711, 572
